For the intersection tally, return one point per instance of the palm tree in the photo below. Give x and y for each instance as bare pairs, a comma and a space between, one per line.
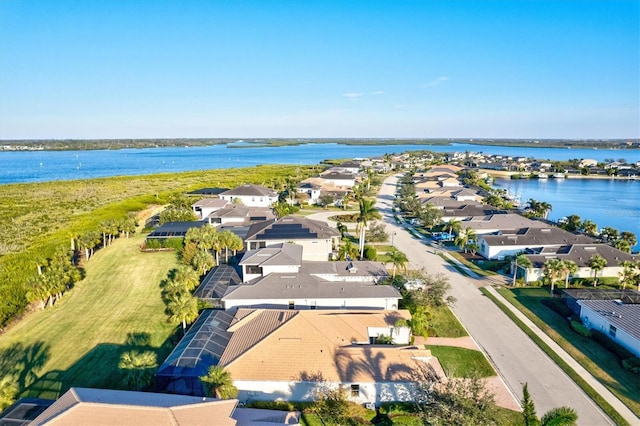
628, 274
229, 241
590, 227
553, 268
138, 367
183, 308
203, 261
560, 416
367, 213
465, 239
569, 267
218, 383
528, 408
398, 259
454, 225
520, 261
347, 250
597, 263
185, 276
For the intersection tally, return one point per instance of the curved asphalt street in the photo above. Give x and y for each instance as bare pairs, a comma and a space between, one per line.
516, 357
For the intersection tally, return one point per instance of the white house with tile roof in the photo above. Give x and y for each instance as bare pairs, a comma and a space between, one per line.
288, 354
251, 195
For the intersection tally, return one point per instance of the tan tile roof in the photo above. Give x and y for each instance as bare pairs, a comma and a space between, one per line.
321, 341
80, 406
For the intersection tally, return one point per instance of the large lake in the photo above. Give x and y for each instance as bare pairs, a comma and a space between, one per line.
40, 166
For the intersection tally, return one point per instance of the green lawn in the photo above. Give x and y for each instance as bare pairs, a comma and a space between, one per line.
461, 362
78, 342
444, 324
591, 355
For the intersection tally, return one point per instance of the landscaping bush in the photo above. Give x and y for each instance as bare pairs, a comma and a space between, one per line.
152, 244
558, 306
580, 329
370, 253
632, 364
617, 349
272, 405
173, 243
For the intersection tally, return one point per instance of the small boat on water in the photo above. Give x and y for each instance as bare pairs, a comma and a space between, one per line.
558, 175
542, 176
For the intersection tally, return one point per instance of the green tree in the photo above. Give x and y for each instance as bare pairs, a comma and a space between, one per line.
622, 245
325, 200
185, 276
590, 227
609, 234
138, 368
377, 232
560, 416
203, 261
87, 243
596, 263
521, 261
8, 391
553, 269
367, 213
331, 405
571, 223
454, 225
347, 250
398, 259
628, 275
569, 267
230, 241
342, 228
465, 239
528, 408
429, 215
183, 308
218, 383
630, 237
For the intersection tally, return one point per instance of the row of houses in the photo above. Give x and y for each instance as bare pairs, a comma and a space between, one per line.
501, 234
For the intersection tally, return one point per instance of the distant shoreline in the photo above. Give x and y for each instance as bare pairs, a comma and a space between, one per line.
115, 144
508, 175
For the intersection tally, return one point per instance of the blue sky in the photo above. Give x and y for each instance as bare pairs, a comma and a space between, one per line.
419, 69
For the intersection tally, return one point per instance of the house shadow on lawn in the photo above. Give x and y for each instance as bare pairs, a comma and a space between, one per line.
98, 368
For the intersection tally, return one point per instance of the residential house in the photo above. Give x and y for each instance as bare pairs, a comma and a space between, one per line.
204, 207
251, 195
84, 406
509, 242
580, 254
339, 178
289, 354
495, 223
618, 320
318, 239
276, 277
240, 215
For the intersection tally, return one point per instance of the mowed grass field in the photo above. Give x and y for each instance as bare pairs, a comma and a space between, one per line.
79, 341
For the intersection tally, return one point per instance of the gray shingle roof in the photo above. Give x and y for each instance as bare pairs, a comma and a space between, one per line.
536, 237
291, 228
249, 189
581, 253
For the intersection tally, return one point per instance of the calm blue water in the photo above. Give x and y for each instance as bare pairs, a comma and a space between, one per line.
41, 166
607, 202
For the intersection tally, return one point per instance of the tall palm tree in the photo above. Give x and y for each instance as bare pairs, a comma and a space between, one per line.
347, 250
628, 274
183, 308
553, 268
203, 261
398, 259
218, 383
596, 263
520, 261
454, 225
569, 267
465, 238
185, 276
138, 368
367, 213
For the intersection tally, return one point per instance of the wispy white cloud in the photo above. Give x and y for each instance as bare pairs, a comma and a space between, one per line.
356, 95
435, 82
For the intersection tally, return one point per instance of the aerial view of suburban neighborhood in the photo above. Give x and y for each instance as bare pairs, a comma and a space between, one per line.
205, 221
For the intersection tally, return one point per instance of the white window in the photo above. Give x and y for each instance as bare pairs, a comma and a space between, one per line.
355, 390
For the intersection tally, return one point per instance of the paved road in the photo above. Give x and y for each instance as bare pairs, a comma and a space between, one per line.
516, 357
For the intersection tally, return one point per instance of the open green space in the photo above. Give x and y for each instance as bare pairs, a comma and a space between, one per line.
444, 324
461, 362
78, 341
600, 362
